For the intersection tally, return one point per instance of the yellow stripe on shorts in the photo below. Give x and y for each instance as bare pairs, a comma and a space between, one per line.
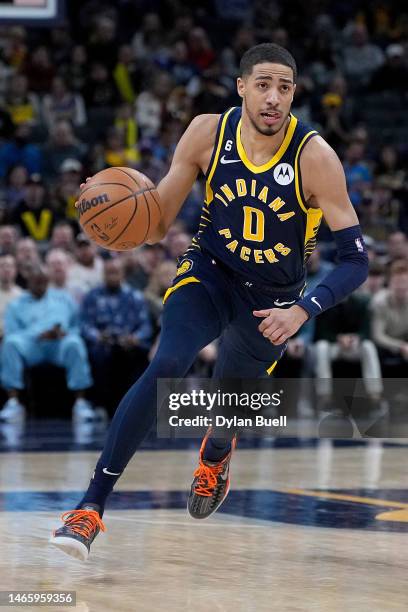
184, 281
271, 368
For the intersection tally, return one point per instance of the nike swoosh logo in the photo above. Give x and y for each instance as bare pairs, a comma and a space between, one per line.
229, 161
314, 300
105, 471
278, 303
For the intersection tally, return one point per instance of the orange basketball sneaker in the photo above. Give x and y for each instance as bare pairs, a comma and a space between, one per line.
211, 483
78, 532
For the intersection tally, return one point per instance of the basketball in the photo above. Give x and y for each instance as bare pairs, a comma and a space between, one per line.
118, 208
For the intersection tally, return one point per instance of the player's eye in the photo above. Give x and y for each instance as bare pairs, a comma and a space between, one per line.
262, 85
285, 88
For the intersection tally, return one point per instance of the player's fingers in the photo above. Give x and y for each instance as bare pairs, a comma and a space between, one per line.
266, 323
261, 313
278, 338
270, 329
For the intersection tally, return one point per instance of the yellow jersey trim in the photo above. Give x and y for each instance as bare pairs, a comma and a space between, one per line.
184, 281
278, 155
271, 368
209, 192
302, 204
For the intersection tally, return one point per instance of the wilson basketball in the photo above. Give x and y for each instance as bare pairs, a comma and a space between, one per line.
118, 208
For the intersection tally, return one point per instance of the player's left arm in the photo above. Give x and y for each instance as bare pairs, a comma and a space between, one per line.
324, 186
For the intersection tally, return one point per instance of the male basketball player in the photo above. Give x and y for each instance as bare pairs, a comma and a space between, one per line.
269, 181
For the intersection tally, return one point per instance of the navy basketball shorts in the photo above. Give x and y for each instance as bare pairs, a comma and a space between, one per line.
243, 351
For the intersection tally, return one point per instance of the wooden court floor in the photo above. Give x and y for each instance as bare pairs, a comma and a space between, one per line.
308, 526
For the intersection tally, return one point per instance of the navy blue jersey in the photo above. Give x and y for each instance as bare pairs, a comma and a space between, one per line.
255, 218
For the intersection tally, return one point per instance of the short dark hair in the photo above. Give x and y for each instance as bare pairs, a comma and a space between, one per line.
266, 52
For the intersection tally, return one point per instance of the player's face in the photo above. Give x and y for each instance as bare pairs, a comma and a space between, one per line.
267, 94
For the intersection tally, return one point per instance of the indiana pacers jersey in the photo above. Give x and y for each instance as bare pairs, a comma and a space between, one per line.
255, 218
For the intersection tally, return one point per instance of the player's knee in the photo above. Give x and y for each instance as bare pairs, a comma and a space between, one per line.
170, 365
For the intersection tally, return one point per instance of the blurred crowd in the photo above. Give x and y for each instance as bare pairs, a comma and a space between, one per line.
116, 84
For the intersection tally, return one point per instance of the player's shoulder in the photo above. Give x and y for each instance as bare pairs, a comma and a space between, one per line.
204, 125
318, 156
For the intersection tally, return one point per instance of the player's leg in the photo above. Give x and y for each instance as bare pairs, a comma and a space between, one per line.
190, 321
243, 353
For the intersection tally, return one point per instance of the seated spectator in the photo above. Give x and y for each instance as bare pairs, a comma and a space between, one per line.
99, 89
34, 217
390, 321
87, 270
8, 239
20, 151
375, 281
140, 264
358, 174
41, 326
62, 237
75, 71
66, 188
397, 247
39, 70
151, 102
58, 263
343, 333
15, 186
160, 280
61, 103
128, 74
116, 326
360, 57
116, 151
393, 74
8, 288
27, 258
22, 104
61, 146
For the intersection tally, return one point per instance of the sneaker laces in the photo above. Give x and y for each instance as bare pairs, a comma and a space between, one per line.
207, 478
83, 522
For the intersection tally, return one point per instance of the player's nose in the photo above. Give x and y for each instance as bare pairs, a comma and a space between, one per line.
272, 97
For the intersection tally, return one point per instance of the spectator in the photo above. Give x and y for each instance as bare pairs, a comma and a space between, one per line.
61, 103
62, 237
360, 57
178, 244
358, 174
15, 186
200, 51
397, 247
100, 90
390, 320
343, 333
160, 280
27, 258
128, 74
393, 74
34, 217
76, 70
22, 104
151, 102
116, 151
8, 288
41, 326
117, 329
39, 70
8, 239
66, 188
149, 165
149, 38
140, 264
103, 45
57, 262
87, 271
375, 281
61, 146
20, 151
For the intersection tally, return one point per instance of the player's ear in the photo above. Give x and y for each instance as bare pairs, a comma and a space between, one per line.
240, 87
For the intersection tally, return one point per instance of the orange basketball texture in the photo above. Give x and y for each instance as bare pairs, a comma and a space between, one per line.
118, 208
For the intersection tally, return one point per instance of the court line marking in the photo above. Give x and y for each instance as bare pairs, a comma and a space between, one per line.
393, 515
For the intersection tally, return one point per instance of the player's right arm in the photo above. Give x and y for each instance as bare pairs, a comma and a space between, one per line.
192, 154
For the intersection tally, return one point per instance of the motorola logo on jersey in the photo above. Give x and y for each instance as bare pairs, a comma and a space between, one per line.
283, 174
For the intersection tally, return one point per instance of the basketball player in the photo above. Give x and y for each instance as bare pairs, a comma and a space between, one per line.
270, 178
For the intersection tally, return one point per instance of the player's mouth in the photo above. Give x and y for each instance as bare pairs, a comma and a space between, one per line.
271, 117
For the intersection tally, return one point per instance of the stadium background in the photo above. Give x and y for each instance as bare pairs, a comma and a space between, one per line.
116, 83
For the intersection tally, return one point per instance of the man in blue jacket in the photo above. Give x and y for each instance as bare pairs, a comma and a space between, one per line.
41, 326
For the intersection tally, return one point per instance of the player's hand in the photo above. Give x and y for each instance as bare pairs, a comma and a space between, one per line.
280, 324
82, 185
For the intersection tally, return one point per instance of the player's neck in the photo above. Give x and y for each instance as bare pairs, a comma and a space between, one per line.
259, 148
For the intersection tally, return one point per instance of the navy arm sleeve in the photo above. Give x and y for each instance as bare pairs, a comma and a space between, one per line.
350, 272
